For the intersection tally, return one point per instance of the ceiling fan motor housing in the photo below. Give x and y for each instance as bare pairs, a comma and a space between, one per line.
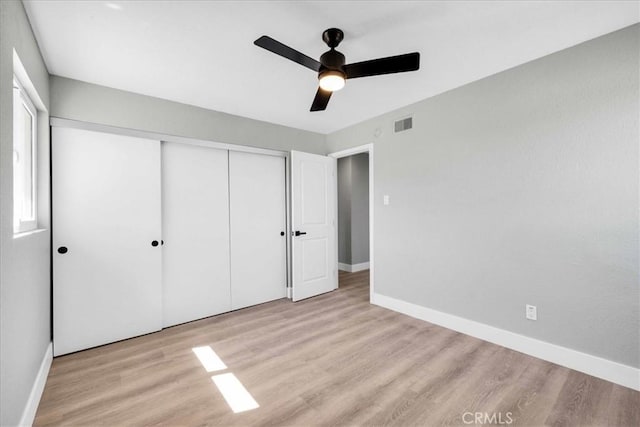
332, 60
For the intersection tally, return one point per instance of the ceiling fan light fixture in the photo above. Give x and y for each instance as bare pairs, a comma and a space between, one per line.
332, 80
332, 68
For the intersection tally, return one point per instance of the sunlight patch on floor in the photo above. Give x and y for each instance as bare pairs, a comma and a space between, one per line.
209, 359
237, 397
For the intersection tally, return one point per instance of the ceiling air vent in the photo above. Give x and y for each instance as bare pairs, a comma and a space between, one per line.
403, 124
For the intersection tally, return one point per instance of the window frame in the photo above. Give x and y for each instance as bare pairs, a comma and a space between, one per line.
21, 99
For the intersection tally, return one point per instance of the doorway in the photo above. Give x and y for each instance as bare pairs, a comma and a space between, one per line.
355, 216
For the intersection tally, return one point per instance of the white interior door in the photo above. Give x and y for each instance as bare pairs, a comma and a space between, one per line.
314, 247
258, 225
195, 226
106, 214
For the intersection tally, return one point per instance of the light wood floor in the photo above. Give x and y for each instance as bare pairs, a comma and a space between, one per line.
330, 360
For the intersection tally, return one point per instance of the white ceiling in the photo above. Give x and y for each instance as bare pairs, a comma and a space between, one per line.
202, 52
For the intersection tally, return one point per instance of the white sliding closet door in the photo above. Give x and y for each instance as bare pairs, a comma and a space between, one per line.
258, 218
106, 214
195, 222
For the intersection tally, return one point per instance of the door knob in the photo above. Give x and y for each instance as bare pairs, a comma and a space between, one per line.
300, 233
154, 243
282, 233
62, 250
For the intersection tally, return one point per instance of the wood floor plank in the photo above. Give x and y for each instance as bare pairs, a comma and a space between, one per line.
330, 360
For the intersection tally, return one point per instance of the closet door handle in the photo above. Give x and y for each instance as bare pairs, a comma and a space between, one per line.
282, 233
154, 243
300, 233
62, 250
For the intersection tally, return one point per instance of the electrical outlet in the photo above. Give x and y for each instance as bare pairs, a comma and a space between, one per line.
532, 312
385, 200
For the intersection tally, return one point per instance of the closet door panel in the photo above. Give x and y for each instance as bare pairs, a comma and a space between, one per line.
195, 208
258, 250
106, 213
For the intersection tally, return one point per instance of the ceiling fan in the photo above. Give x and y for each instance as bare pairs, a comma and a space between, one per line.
332, 70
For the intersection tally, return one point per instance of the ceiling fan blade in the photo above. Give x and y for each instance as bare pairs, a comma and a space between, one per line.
278, 48
388, 65
321, 100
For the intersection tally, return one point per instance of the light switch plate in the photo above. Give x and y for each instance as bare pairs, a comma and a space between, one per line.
385, 199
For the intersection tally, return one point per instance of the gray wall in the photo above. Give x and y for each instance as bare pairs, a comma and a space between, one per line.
344, 210
360, 208
73, 99
521, 188
24, 262
353, 209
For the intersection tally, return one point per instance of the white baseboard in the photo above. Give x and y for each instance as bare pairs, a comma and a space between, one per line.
353, 268
618, 373
29, 413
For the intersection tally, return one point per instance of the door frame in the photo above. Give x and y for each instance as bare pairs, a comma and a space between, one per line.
366, 148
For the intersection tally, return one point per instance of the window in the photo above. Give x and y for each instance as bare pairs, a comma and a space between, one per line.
24, 160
